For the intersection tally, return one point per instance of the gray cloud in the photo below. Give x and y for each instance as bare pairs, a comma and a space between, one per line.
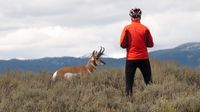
67, 13
34, 29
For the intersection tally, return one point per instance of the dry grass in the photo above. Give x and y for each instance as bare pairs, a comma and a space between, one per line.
174, 90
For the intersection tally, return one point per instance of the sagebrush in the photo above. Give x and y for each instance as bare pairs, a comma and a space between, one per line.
174, 89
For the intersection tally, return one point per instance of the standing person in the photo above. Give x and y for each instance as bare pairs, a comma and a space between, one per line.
136, 38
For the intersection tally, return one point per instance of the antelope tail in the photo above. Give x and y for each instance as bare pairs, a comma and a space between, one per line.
52, 79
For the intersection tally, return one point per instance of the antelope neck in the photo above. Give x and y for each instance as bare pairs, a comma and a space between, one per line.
90, 67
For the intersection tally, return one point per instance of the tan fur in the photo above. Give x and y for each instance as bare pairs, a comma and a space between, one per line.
81, 70
73, 71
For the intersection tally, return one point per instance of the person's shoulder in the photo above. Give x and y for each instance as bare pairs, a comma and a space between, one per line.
128, 26
144, 26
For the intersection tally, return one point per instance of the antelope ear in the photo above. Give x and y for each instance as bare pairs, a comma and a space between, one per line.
93, 53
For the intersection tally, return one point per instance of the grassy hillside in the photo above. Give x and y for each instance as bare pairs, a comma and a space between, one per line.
174, 90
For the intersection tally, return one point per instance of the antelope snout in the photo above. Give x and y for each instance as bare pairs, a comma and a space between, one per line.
102, 62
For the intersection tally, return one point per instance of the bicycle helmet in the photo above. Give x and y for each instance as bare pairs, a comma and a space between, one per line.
135, 13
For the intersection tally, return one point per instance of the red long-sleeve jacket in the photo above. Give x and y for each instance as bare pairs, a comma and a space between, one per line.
136, 38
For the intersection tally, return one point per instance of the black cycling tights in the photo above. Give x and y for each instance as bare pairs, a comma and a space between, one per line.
131, 66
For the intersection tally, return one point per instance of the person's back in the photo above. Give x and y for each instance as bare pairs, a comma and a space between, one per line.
136, 38
139, 38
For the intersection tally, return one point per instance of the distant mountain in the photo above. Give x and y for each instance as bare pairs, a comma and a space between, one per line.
51, 64
185, 54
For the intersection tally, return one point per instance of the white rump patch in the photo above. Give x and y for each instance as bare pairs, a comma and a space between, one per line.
70, 75
54, 76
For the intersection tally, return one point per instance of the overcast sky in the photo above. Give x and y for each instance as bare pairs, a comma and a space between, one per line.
31, 29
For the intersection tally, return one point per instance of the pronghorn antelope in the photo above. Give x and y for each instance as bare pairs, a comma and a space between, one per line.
73, 71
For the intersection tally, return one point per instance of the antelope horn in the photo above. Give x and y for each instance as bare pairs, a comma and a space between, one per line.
101, 51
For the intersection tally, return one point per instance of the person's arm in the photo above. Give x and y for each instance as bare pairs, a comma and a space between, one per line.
124, 38
149, 39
